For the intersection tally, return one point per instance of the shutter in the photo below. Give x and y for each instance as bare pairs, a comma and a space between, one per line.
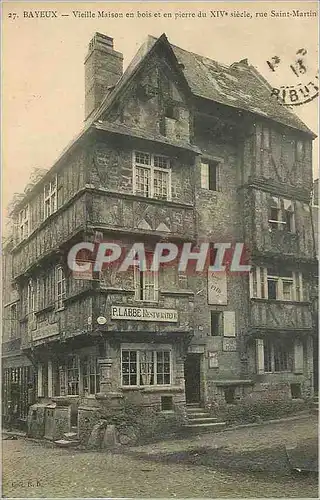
39, 380
205, 175
298, 356
50, 379
260, 356
229, 324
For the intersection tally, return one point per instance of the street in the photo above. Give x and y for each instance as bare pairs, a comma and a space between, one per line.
246, 462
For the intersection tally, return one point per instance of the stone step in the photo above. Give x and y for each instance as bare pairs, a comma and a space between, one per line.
192, 405
66, 443
200, 414
209, 427
71, 435
204, 420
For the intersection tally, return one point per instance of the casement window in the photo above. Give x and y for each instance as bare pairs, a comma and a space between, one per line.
276, 284
73, 375
50, 197
281, 214
146, 285
60, 286
91, 375
151, 176
210, 175
280, 286
23, 223
275, 213
277, 356
140, 367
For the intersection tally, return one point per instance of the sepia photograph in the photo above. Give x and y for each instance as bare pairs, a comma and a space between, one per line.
160, 249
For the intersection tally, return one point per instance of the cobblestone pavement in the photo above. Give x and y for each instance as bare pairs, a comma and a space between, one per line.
33, 469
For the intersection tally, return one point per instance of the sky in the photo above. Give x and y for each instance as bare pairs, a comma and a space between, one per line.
43, 71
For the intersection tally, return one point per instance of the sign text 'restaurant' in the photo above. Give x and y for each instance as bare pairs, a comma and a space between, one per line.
144, 314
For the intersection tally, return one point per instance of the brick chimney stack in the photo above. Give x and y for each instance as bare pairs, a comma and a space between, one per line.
103, 68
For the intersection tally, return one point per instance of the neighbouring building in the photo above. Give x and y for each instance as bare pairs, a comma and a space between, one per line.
178, 148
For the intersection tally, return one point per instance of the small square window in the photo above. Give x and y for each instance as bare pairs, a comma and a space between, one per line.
166, 403
295, 391
229, 395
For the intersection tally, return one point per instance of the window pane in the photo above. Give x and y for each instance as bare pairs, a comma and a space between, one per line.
161, 182
143, 178
272, 289
142, 158
161, 161
287, 287
267, 357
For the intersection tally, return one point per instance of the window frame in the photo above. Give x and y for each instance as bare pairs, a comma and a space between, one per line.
151, 168
75, 369
274, 351
154, 351
90, 361
140, 288
24, 223
205, 176
52, 195
262, 277
60, 280
31, 297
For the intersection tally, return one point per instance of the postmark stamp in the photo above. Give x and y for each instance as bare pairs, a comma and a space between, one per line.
303, 88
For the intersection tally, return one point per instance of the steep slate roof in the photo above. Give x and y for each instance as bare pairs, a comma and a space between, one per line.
239, 86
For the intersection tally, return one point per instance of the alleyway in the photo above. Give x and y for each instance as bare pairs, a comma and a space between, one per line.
168, 469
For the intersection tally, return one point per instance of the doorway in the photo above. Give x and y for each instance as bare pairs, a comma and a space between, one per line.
192, 378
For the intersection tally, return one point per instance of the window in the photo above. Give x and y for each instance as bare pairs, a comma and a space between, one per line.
281, 214
31, 297
280, 287
295, 391
289, 218
13, 321
300, 150
73, 376
275, 216
152, 176
209, 175
215, 323
277, 357
282, 284
60, 287
146, 367
146, 285
50, 197
24, 223
91, 375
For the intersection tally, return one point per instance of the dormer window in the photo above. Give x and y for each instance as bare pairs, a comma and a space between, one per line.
50, 197
151, 176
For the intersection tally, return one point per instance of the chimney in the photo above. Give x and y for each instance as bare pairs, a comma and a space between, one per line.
103, 68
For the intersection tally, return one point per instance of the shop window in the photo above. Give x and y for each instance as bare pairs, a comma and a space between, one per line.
73, 375
145, 367
91, 375
277, 356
